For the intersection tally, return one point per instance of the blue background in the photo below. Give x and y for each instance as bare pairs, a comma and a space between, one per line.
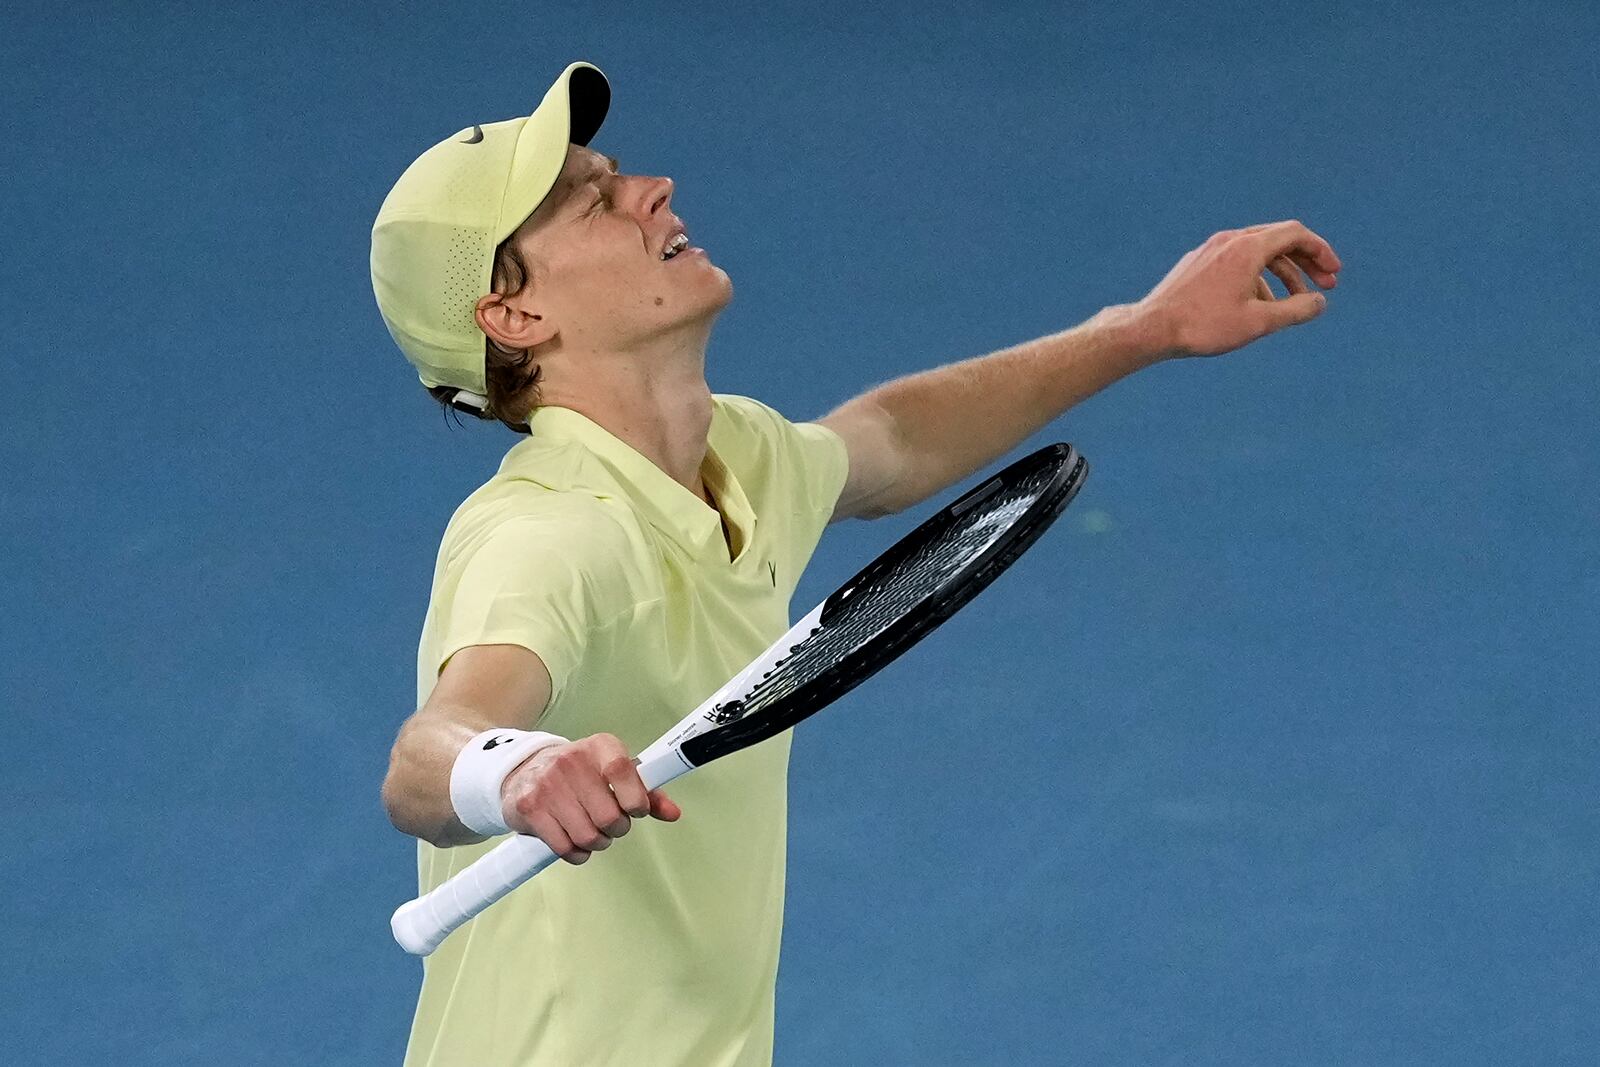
1280, 749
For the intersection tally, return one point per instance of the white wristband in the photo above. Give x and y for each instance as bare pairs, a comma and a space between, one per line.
481, 768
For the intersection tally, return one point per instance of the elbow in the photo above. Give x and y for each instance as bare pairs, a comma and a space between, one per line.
402, 818
391, 804
892, 495
416, 787
394, 803
404, 815
879, 509
397, 798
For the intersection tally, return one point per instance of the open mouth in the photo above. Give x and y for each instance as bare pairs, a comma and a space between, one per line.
676, 246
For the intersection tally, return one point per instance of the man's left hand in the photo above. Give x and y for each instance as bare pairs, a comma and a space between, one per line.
1216, 298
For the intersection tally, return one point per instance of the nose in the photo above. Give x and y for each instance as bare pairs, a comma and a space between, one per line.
660, 194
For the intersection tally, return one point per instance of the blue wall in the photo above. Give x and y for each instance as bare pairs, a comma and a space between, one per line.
1280, 749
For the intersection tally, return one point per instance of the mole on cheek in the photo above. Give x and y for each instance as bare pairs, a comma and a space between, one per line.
658, 301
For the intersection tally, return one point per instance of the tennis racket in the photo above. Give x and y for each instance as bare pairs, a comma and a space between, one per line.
892, 604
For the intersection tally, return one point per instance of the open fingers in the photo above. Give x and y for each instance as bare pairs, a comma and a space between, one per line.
1287, 273
1303, 247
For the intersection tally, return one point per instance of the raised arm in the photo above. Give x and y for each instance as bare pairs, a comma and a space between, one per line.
915, 436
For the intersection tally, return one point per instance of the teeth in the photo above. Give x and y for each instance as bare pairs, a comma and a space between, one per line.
678, 243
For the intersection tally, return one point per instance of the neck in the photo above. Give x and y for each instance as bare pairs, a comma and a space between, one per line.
658, 403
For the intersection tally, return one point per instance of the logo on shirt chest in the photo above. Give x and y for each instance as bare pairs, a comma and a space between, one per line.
772, 569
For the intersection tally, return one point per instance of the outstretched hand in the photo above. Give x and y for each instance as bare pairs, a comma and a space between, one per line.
1216, 298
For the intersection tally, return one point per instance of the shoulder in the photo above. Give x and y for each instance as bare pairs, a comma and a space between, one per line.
509, 516
742, 417
745, 425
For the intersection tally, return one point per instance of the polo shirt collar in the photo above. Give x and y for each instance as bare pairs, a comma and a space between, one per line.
569, 451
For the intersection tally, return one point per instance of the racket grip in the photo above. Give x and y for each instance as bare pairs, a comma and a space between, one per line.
422, 924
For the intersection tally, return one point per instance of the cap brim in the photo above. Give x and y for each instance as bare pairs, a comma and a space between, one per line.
570, 113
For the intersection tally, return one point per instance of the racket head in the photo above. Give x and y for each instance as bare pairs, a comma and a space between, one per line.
898, 599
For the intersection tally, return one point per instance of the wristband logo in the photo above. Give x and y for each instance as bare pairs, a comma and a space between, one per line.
477, 135
493, 741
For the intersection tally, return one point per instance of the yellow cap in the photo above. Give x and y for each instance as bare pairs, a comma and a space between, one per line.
434, 240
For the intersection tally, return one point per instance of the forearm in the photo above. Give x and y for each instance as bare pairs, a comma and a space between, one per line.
416, 791
955, 419
481, 688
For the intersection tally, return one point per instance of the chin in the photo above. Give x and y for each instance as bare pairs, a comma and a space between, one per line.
727, 287
716, 295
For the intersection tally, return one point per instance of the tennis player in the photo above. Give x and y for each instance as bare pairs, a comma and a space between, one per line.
637, 547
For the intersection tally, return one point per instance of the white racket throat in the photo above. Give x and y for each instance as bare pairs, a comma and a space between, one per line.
713, 711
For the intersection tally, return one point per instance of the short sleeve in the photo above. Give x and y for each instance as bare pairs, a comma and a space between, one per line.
824, 464
549, 584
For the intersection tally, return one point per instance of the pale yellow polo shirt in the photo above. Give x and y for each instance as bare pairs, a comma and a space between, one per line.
661, 951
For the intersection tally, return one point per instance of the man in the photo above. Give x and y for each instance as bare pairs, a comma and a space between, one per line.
639, 547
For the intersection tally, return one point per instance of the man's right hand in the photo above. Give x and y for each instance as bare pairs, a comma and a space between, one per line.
580, 796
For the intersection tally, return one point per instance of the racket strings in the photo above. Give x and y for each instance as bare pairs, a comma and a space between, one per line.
897, 587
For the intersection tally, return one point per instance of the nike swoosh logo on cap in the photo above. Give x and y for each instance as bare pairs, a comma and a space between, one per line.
477, 135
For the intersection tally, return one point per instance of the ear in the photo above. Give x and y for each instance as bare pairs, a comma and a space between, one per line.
511, 322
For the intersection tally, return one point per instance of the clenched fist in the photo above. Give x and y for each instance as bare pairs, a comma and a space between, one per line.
1216, 299
580, 796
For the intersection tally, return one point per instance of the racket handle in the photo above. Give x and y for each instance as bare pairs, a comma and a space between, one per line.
421, 925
